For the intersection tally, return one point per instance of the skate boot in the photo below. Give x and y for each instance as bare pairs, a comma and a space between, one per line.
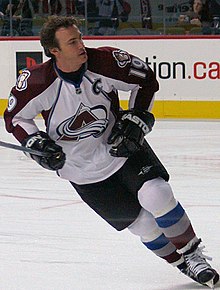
197, 268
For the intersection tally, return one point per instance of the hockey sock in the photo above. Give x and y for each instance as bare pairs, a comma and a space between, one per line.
176, 226
164, 249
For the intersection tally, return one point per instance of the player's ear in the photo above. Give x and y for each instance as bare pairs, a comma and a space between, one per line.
54, 51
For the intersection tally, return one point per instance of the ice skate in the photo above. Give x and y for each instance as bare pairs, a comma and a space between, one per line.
197, 268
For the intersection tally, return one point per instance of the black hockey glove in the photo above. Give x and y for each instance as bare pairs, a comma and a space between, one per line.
128, 133
40, 141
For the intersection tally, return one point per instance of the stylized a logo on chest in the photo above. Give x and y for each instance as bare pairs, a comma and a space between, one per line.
85, 123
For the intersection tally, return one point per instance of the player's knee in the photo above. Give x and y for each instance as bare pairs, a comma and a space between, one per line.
156, 196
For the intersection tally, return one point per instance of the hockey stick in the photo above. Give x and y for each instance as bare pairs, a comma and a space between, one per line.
24, 149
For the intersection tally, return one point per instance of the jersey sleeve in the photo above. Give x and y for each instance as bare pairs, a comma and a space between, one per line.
24, 104
127, 73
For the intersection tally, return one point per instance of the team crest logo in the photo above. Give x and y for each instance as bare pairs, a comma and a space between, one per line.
85, 123
21, 84
122, 57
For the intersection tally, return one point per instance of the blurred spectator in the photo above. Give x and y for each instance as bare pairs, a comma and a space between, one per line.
42, 8
198, 14
55, 7
22, 18
109, 14
70, 7
7, 10
80, 7
67, 7
214, 7
77, 7
3, 7
92, 11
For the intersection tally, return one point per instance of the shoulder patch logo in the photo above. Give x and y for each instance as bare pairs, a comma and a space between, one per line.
122, 57
12, 102
21, 84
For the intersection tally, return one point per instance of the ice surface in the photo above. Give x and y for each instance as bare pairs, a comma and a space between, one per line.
51, 240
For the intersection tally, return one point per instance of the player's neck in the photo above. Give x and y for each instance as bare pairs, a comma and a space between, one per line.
68, 67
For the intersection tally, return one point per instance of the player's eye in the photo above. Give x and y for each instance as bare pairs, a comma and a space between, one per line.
72, 42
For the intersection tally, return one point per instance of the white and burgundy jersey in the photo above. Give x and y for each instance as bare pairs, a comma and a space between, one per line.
80, 112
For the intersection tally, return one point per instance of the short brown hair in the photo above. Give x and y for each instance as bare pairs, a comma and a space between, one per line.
47, 34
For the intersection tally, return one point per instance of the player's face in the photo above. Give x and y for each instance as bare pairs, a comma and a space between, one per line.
71, 53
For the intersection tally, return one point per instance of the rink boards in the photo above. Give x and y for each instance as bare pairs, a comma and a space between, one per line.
172, 109
187, 68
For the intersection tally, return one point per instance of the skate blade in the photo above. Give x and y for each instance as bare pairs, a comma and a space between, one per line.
210, 284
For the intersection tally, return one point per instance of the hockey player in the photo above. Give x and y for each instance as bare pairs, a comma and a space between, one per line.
100, 148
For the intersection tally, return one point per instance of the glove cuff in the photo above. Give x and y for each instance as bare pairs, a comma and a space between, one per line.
144, 119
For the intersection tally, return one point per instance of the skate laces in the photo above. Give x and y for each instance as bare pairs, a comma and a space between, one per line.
197, 268
200, 252
196, 260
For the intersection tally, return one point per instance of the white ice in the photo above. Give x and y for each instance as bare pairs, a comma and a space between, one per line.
51, 240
